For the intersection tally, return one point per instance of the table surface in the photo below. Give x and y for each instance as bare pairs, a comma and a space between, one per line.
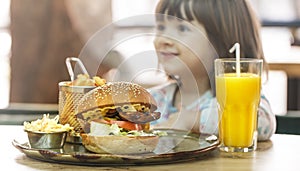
290, 62
280, 153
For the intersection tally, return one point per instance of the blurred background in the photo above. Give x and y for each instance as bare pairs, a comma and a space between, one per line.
37, 35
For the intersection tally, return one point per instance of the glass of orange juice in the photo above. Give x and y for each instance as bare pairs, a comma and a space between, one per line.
238, 86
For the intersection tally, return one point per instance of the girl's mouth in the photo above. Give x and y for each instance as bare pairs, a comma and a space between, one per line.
167, 55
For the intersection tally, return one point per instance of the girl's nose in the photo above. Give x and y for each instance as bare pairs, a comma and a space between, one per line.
164, 41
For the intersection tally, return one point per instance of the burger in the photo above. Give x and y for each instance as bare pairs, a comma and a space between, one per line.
115, 118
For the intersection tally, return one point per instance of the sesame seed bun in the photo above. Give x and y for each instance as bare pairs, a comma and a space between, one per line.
116, 93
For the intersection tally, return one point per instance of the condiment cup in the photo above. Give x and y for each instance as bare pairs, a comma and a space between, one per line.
44, 140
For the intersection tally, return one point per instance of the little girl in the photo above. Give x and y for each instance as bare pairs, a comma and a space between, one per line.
190, 35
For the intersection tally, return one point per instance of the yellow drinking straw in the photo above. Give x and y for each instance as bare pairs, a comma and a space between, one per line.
236, 48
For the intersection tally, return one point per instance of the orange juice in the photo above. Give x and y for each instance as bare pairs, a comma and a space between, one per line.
238, 99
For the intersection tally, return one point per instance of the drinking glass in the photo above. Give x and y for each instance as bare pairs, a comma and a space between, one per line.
238, 88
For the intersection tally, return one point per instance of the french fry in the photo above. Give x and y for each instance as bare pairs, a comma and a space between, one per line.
47, 125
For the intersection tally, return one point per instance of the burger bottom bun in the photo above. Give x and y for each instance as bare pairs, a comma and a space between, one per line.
120, 144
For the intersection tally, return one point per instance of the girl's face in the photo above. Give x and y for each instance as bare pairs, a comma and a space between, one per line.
182, 46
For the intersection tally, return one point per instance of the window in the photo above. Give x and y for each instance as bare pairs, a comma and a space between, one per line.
5, 49
123, 9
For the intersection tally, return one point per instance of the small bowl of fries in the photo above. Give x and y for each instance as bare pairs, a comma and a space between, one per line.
46, 133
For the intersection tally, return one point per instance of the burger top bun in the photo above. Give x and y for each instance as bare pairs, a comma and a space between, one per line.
116, 93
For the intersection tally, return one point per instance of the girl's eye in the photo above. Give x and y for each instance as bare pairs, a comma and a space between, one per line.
160, 27
183, 28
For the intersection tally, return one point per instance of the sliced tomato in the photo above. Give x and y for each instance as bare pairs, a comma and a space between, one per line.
127, 125
102, 121
122, 124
